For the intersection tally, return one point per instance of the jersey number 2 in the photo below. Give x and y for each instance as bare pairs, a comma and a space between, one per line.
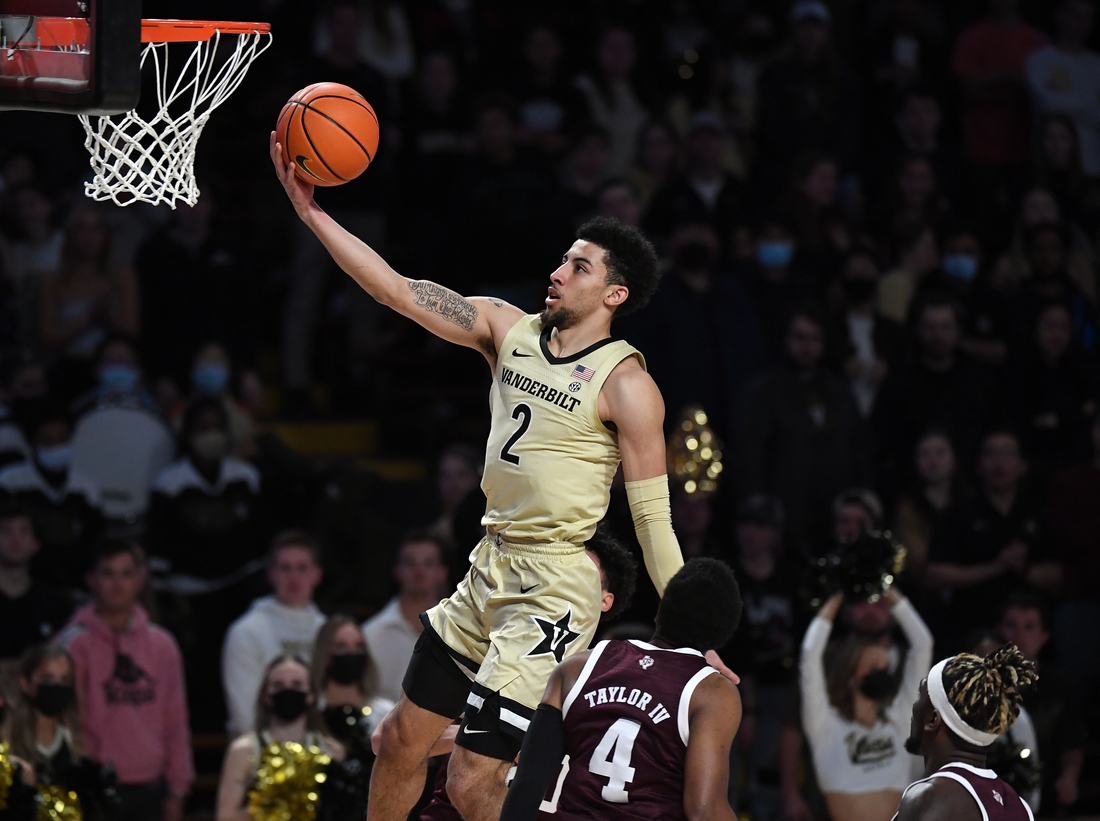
523, 413
615, 768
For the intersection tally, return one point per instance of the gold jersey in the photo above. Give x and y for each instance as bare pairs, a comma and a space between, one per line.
550, 459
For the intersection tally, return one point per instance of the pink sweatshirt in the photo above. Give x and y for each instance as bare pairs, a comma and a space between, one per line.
133, 715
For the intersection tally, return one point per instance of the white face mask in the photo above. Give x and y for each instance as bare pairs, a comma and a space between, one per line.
55, 458
210, 445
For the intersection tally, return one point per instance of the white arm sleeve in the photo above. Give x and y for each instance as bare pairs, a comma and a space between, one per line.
815, 697
918, 661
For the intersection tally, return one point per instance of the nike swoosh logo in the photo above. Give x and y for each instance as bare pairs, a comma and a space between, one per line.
468, 731
523, 590
515, 352
301, 161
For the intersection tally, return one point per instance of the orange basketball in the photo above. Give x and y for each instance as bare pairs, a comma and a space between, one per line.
329, 131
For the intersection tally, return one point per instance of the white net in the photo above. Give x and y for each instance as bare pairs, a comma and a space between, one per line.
153, 160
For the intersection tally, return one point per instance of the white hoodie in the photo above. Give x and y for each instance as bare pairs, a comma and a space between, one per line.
268, 630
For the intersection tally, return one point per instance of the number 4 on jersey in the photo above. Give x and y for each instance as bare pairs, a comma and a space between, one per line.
616, 768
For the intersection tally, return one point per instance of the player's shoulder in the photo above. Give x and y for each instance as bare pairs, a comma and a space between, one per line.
630, 379
718, 691
937, 798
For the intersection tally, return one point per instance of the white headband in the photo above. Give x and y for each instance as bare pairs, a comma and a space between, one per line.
938, 695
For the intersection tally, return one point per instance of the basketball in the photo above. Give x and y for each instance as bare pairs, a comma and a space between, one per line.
330, 132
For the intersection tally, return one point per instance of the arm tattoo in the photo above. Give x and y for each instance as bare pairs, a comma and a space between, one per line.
439, 300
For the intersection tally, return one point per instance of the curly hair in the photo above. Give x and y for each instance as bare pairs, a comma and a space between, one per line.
629, 257
619, 568
986, 691
701, 606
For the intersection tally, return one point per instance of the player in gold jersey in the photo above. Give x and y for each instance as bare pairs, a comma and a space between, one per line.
568, 404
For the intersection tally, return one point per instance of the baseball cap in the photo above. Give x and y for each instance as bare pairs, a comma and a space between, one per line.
762, 509
805, 9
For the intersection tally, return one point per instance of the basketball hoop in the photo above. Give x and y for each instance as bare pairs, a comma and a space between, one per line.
154, 160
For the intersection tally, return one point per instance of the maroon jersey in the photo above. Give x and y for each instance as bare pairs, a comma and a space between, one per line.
626, 726
996, 799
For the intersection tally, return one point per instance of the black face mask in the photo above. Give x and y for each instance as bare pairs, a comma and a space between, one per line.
859, 290
878, 684
53, 699
693, 256
347, 668
288, 705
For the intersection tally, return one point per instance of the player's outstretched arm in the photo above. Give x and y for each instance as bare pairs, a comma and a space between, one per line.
713, 719
631, 401
476, 322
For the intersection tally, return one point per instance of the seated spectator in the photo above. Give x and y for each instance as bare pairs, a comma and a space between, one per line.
863, 345
35, 252
778, 277
856, 510
613, 96
1074, 508
940, 387
915, 257
1055, 393
583, 169
692, 515
657, 160
990, 546
30, 610
1055, 707
1065, 77
820, 226
86, 299
550, 106
66, 504
212, 375
934, 488
285, 622
856, 715
283, 704
385, 41
916, 197
799, 433
120, 380
1058, 169
130, 687
344, 675
421, 574
807, 98
24, 382
764, 650
618, 198
457, 475
702, 333
707, 192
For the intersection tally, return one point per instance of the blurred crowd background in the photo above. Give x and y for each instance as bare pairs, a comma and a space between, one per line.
879, 222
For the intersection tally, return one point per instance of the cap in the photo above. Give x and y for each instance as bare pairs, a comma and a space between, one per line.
805, 9
705, 119
762, 509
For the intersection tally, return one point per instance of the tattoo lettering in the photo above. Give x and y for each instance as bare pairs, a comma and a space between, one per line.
449, 305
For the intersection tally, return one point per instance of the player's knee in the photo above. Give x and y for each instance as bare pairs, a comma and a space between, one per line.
399, 737
462, 789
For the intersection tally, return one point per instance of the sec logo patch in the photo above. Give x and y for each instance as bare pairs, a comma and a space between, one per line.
574, 387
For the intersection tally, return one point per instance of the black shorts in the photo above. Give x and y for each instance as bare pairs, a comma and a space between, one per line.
439, 680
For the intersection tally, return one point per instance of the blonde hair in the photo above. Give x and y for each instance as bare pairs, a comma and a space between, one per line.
24, 718
985, 692
322, 657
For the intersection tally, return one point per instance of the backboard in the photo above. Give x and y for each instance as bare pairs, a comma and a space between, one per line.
70, 56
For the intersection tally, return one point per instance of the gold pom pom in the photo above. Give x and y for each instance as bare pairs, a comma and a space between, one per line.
288, 780
55, 803
694, 454
7, 775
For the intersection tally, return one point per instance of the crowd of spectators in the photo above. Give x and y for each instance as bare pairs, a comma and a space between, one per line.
879, 223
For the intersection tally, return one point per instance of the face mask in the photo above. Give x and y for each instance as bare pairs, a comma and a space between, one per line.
859, 290
693, 256
210, 379
288, 705
877, 684
56, 458
960, 266
119, 378
347, 668
210, 445
775, 254
53, 699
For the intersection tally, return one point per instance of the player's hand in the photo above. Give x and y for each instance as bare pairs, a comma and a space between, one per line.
715, 661
299, 191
